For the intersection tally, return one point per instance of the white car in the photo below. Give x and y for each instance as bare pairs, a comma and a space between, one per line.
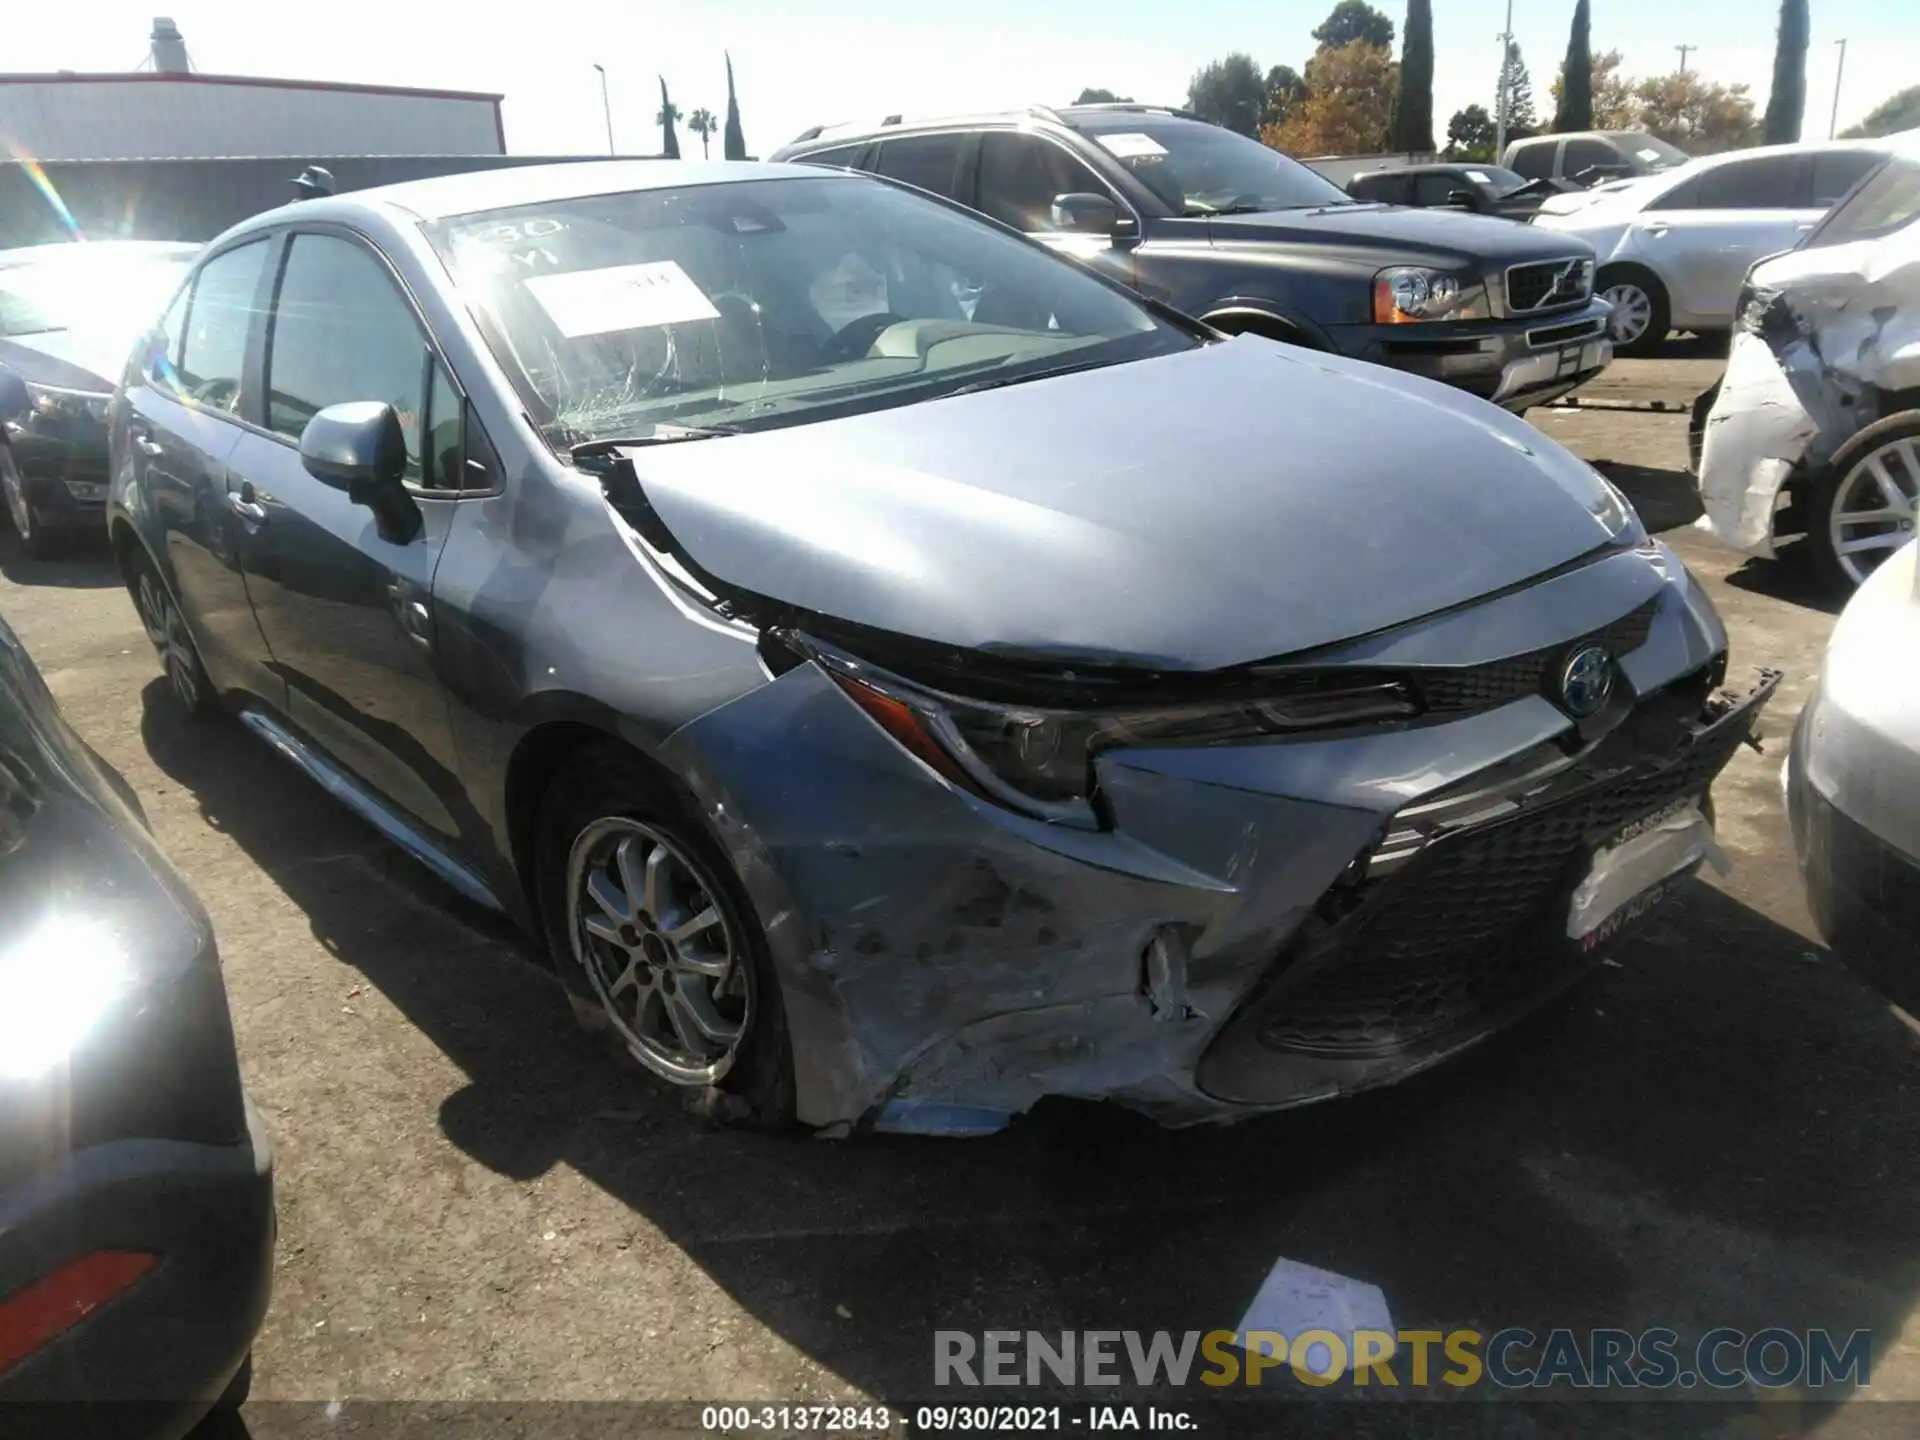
1674, 246
1852, 783
1814, 430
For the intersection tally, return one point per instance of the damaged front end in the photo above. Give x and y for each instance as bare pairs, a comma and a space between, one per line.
1826, 343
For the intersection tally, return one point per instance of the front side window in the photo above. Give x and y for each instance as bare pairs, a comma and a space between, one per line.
1535, 162
844, 156
1887, 202
342, 331
1201, 169
1591, 160
926, 162
213, 353
1021, 174
1432, 190
756, 304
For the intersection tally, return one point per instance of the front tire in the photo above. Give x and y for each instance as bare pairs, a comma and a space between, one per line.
39, 537
172, 641
1866, 504
655, 938
1641, 314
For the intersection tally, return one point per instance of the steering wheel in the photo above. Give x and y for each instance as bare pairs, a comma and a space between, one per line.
856, 338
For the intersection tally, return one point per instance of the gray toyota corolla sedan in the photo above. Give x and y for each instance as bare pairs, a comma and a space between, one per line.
899, 674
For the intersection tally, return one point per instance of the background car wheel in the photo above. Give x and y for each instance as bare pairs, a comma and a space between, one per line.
1866, 504
1640, 313
38, 537
638, 902
167, 632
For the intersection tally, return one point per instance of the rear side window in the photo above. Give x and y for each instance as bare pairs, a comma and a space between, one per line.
1835, 172
926, 162
1767, 182
213, 352
341, 332
1534, 161
1595, 155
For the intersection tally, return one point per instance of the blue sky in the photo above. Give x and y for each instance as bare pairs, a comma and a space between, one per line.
803, 62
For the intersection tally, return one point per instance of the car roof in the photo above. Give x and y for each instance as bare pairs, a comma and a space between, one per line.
1700, 163
443, 196
1093, 119
90, 251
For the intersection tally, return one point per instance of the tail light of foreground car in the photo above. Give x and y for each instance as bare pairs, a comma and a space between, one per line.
33, 1317
1040, 760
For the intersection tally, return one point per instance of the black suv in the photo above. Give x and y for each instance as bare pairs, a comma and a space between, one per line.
1224, 228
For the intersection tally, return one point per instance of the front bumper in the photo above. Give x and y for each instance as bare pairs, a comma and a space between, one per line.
64, 466
154, 1358
945, 963
1514, 363
1750, 446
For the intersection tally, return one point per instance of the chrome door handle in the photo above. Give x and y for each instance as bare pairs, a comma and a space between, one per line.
248, 510
147, 445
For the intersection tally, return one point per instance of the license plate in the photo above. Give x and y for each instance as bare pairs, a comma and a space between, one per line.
1635, 869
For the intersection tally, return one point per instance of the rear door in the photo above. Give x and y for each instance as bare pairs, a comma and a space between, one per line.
1710, 229
348, 611
185, 416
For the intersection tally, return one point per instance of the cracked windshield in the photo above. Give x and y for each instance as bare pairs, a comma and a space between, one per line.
791, 716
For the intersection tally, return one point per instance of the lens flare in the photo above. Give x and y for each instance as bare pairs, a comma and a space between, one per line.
44, 184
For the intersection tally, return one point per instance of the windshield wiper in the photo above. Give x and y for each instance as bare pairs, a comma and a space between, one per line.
662, 434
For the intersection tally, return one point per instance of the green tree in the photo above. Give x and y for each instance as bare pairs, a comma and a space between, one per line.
703, 124
735, 144
1520, 117
1700, 117
664, 118
1091, 96
1609, 94
1349, 91
1892, 115
1285, 91
1353, 20
1470, 135
1410, 125
1787, 101
1573, 91
1229, 92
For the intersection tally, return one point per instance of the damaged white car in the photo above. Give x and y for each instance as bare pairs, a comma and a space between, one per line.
1814, 432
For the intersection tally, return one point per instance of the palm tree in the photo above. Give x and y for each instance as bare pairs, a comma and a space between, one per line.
704, 124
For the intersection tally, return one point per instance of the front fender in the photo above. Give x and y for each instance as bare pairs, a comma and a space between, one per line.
1224, 312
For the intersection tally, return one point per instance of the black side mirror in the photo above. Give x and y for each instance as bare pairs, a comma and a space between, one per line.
14, 400
360, 448
1462, 197
1084, 213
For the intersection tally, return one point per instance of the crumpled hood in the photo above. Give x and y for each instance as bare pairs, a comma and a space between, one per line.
1227, 504
1476, 240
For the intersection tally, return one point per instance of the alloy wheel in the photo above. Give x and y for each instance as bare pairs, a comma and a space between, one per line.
1632, 311
1875, 507
659, 949
167, 632
15, 489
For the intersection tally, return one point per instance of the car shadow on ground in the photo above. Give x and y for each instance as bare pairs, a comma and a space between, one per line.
1788, 576
1714, 1131
1665, 499
84, 562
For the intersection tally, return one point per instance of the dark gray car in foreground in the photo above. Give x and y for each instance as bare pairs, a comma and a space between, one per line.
899, 674
136, 1189
1225, 228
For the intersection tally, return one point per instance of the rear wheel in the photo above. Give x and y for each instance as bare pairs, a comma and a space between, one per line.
39, 537
639, 903
167, 632
1867, 503
1640, 315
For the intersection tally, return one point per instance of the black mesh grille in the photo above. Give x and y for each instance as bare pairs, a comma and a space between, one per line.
1479, 687
1547, 285
1462, 933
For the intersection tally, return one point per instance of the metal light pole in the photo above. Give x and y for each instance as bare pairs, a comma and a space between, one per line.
1833, 116
1500, 105
605, 108
1685, 50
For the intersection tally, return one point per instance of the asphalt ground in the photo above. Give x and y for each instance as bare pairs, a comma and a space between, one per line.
480, 1209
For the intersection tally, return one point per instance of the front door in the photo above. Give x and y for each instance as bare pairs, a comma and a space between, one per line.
181, 431
348, 611
1020, 174
1713, 227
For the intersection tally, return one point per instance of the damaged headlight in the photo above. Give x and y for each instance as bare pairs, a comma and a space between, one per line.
1039, 760
56, 402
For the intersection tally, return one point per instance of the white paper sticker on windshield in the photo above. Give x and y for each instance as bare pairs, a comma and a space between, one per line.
1131, 146
621, 297
1648, 154
1479, 177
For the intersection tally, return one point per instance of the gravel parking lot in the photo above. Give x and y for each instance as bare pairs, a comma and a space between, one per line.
476, 1204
